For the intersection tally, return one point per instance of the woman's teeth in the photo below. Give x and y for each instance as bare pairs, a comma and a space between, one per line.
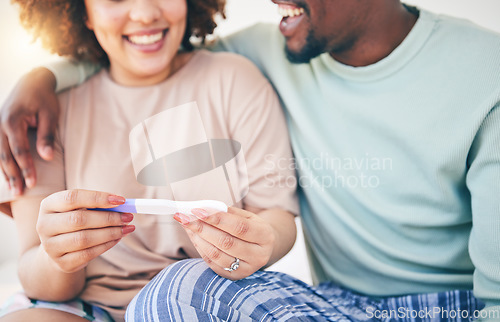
290, 12
146, 39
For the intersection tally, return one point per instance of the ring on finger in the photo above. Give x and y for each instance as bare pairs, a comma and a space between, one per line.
234, 265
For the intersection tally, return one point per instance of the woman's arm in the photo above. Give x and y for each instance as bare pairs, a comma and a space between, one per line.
41, 279
285, 230
59, 237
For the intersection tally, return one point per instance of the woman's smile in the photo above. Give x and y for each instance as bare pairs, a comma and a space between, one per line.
141, 38
147, 41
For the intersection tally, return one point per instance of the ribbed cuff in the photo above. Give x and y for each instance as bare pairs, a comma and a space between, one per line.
70, 73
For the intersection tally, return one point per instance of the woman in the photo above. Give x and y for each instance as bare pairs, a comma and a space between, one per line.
79, 264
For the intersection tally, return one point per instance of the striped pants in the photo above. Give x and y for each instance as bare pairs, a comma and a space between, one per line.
190, 291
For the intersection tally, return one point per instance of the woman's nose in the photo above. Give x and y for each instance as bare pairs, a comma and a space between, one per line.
145, 11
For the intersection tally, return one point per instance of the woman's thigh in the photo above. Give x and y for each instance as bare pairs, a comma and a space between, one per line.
41, 315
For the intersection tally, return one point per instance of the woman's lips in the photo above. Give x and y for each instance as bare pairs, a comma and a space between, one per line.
147, 42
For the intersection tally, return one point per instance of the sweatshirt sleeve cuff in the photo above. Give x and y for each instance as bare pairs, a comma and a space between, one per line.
69, 73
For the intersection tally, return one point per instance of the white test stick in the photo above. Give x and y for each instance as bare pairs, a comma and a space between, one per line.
165, 206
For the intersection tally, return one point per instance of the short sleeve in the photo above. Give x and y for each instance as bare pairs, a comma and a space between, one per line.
257, 121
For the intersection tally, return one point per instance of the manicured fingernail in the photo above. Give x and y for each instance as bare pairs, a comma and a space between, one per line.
116, 200
127, 217
181, 218
200, 213
128, 229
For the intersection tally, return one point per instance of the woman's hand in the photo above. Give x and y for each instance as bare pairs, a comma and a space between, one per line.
32, 103
222, 237
71, 235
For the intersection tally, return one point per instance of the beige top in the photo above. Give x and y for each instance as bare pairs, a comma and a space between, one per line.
109, 133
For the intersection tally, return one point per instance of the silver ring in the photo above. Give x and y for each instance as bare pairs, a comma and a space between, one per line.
234, 265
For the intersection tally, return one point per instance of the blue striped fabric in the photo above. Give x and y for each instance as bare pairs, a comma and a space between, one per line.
190, 291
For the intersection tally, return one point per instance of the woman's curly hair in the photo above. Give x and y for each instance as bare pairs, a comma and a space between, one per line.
60, 25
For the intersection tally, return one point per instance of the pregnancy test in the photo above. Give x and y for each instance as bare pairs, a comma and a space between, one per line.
165, 207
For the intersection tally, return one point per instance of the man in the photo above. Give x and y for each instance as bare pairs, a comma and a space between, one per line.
394, 118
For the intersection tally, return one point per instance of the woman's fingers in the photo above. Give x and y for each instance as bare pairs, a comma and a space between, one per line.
57, 223
72, 235
239, 223
74, 261
222, 237
75, 199
218, 260
81, 240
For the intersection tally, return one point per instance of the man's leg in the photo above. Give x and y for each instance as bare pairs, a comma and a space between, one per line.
190, 291
457, 305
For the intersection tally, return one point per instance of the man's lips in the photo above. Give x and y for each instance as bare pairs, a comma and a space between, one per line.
292, 16
286, 10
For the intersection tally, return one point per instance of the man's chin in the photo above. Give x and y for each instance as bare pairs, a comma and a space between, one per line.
295, 58
303, 55
299, 57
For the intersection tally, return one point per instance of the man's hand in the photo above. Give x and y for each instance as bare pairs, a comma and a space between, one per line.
32, 103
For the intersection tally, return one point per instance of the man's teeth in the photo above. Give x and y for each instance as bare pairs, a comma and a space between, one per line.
146, 39
290, 12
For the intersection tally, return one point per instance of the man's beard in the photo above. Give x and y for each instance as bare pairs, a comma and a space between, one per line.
312, 49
